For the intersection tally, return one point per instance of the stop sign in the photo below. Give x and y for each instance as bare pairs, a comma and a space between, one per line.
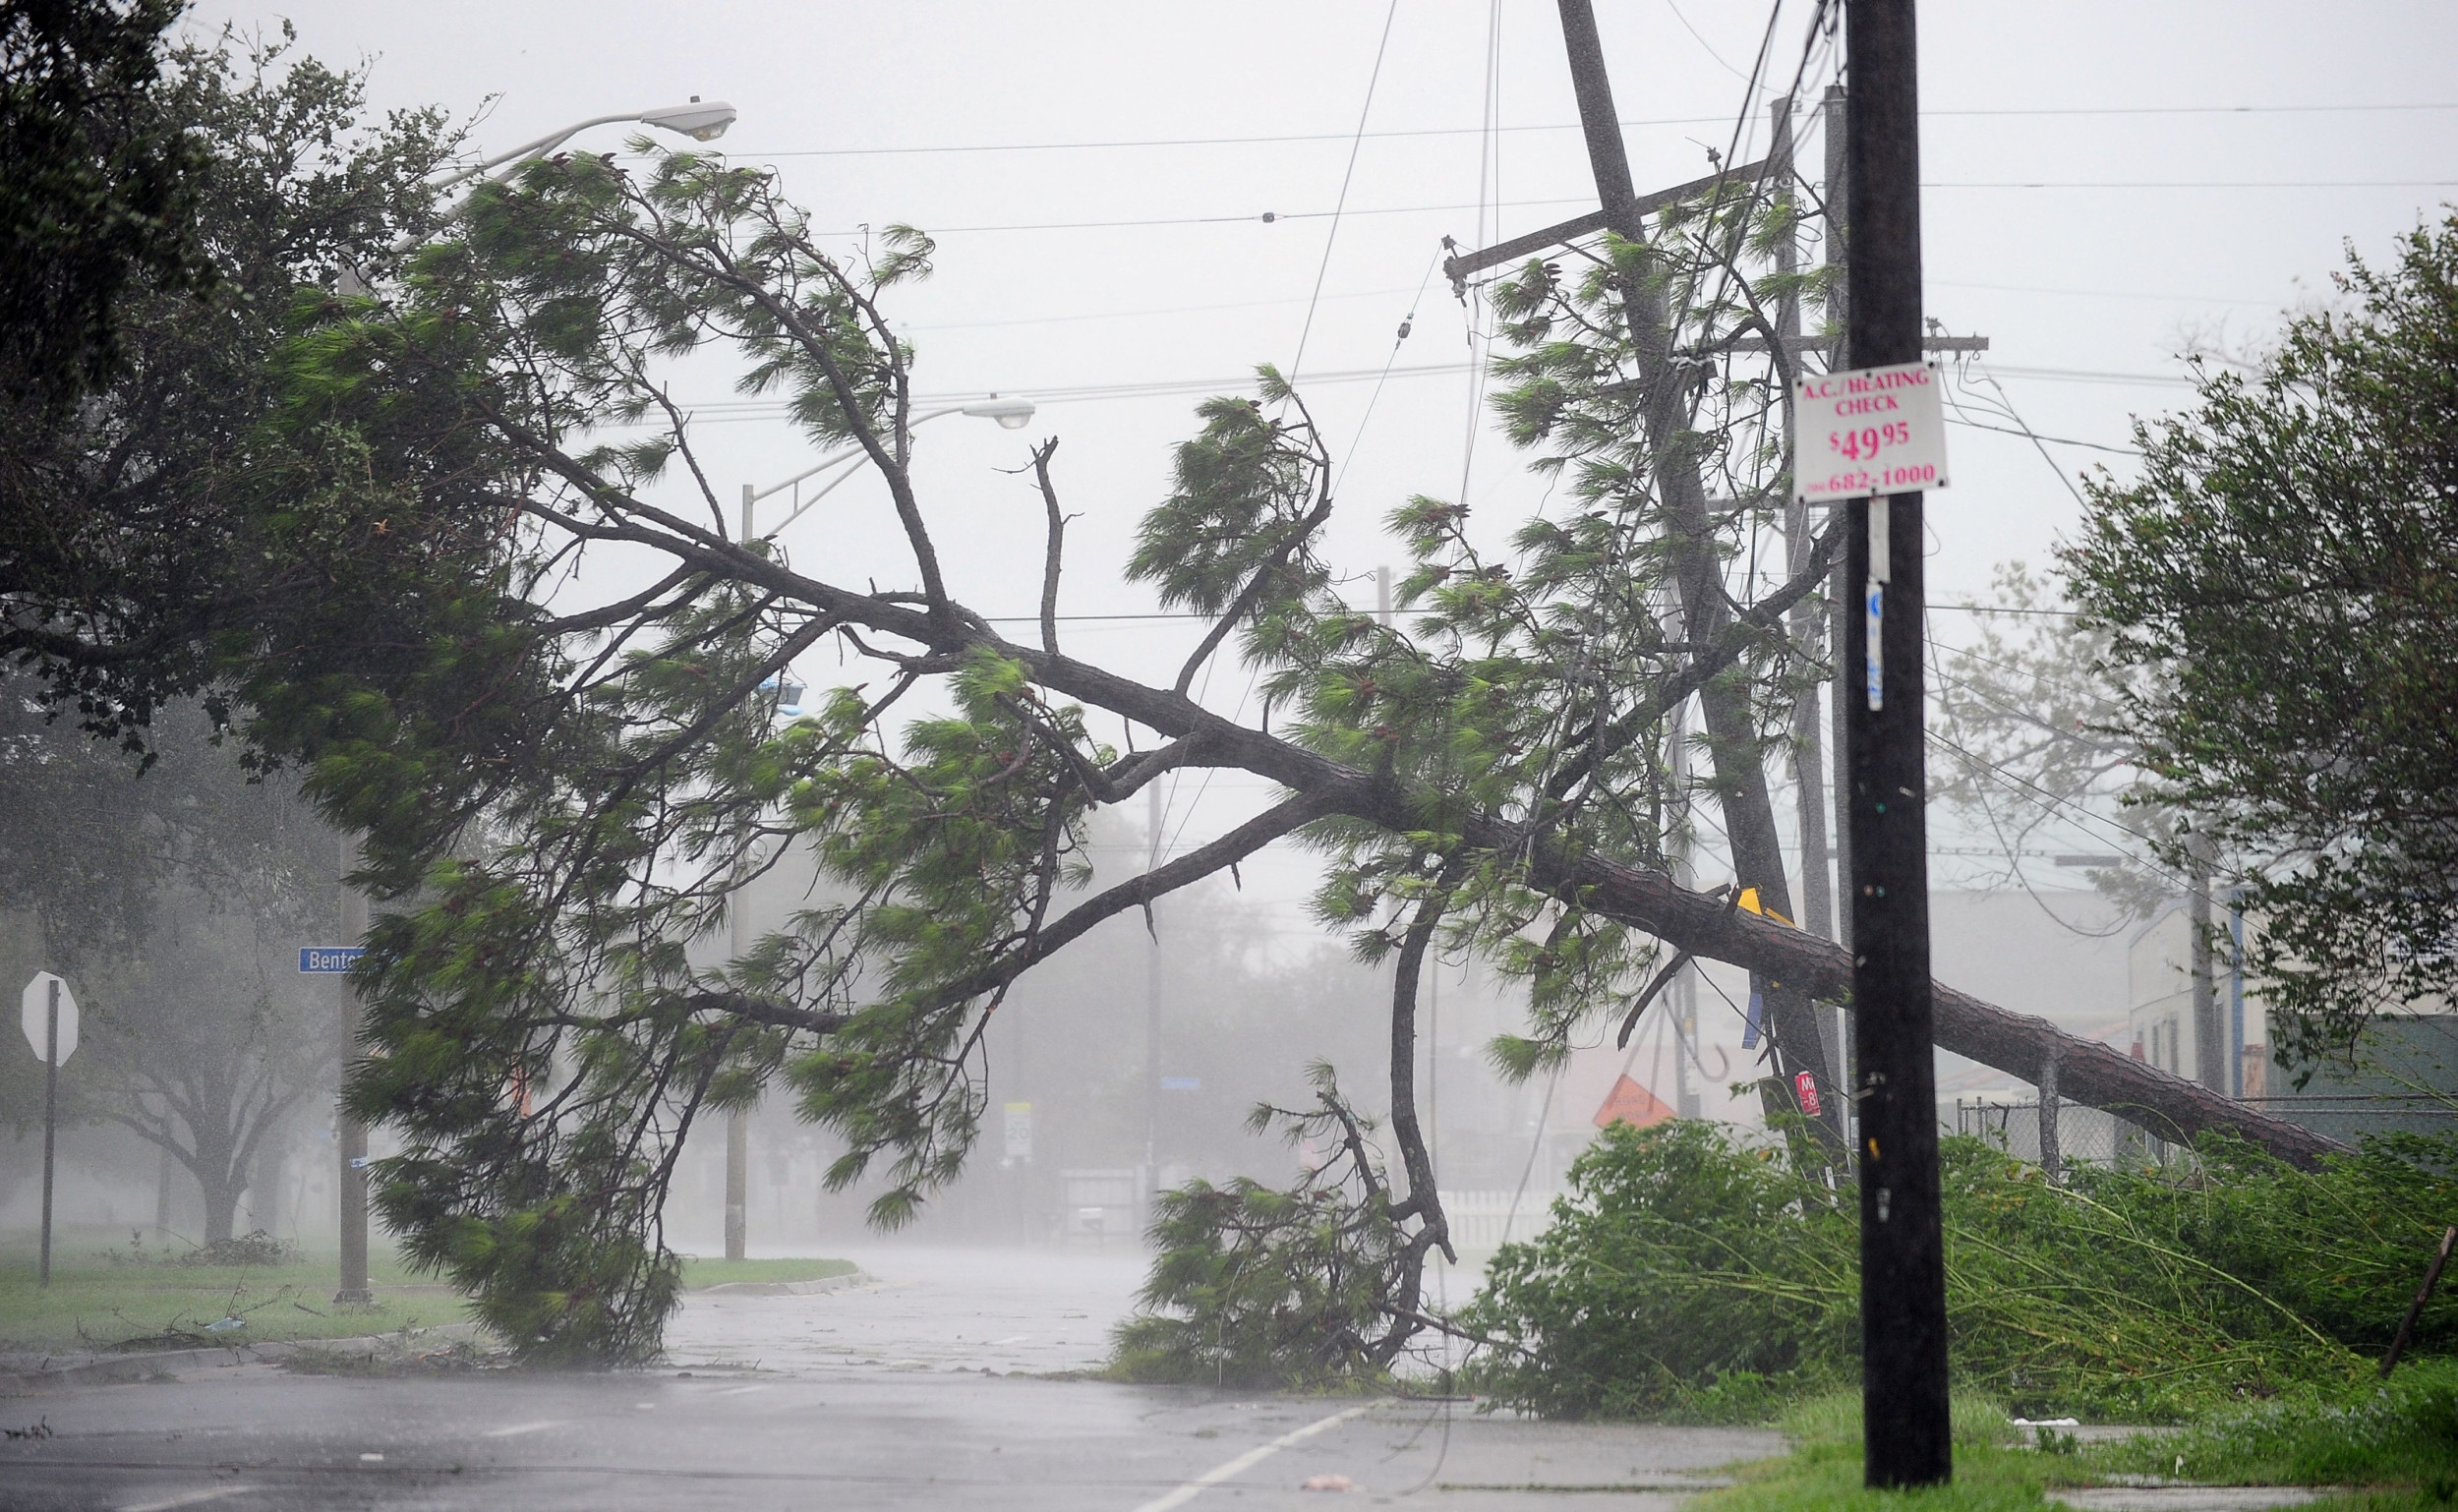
37, 1002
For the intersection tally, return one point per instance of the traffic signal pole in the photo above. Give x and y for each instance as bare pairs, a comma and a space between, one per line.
1907, 1439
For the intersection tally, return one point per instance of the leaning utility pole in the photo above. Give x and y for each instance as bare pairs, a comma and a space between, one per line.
1747, 808
1907, 1439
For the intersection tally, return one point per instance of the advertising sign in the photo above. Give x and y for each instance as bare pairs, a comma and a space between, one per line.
1869, 431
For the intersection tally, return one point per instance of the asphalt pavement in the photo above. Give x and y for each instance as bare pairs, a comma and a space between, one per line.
931, 1387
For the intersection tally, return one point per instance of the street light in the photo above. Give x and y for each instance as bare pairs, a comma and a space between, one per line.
700, 122
1013, 412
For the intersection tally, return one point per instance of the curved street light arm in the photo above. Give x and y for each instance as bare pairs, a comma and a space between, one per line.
1010, 411
546, 143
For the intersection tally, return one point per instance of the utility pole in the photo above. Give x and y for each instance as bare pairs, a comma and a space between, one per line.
738, 1119
1748, 811
1687, 1101
1151, 1002
1809, 769
2211, 1050
1840, 600
350, 1134
1907, 1436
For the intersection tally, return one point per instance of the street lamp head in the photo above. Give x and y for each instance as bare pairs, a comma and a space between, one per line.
700, 122
1011, 414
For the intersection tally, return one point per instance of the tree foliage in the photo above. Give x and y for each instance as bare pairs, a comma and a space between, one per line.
1255, 1286
2279, 591
171, 894
98, 186
562, 793
485, 595
1689, 1272
153, 535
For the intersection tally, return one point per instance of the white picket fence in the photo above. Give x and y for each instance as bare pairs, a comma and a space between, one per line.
1478, 1218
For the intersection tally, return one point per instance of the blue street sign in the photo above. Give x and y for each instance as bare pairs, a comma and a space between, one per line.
329, 960
1181, 1084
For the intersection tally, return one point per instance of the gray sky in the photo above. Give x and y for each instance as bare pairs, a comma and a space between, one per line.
2107, 180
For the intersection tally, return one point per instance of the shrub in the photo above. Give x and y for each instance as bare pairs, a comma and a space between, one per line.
254, 1248
1687, 1273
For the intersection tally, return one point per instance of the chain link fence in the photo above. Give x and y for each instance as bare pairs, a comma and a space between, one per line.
2103, 1138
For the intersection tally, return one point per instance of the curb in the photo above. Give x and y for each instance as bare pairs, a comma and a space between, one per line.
850, 1278
160, 1363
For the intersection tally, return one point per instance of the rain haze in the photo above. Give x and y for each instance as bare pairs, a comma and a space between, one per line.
1133, 208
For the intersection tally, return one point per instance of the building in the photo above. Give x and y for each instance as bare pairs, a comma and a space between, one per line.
2402, 1076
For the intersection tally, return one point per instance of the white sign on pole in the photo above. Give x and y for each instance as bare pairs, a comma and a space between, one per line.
1869, 430
36, 1000
1019, 1131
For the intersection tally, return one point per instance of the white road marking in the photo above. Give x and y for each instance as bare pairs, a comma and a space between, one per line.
518, 1428
1011, 1339
186, 1499
1246, 1461
735, 1391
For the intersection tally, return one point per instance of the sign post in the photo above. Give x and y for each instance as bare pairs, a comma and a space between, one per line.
336, 960
49, 1015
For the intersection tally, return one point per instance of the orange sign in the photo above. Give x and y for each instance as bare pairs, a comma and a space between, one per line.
1632, 1104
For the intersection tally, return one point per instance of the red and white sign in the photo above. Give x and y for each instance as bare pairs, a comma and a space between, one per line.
1807, 1085
1869, 431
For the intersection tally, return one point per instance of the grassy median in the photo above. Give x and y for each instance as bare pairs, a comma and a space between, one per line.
2392, 1449
135, 1296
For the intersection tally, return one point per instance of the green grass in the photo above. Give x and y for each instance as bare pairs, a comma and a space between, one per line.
2397, 1448
1823, 1471
94, 1304
698, 1273
2404, 1433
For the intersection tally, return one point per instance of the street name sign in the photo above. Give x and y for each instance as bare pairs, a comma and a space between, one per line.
329, 960
1869, 430
37, 1002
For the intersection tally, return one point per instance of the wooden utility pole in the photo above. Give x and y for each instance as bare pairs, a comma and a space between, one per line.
1747, 808
1840, 605
1906, 1435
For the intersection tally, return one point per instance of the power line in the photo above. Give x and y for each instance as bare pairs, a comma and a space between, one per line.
1348, 176
1274, 217
728, 411
1152, 311
1298, 137
1130, 315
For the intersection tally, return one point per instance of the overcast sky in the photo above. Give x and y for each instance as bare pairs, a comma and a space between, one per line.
2107, 181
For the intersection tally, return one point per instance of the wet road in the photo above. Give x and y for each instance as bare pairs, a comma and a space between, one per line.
902, 1394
